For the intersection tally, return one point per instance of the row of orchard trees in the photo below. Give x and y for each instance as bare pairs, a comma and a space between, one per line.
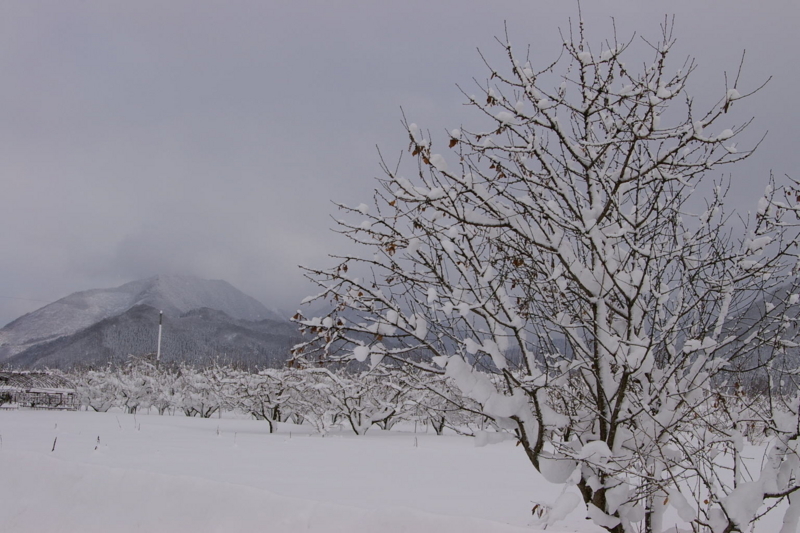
320, 397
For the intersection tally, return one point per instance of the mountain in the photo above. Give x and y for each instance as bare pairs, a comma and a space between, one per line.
201, 336
206, 317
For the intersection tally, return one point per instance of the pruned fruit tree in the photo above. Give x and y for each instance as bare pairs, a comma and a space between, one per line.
570, 265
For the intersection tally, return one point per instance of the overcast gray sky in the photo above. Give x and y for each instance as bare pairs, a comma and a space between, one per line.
208, 138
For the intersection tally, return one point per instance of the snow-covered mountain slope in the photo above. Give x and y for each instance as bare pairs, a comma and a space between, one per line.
200, 337
175, 295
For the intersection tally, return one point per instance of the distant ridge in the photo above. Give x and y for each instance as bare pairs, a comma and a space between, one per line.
74, 326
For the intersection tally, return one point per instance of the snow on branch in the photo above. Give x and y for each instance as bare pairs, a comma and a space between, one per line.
561, 250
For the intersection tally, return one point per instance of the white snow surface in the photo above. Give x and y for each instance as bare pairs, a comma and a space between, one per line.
173, 294
177, 474
173, 473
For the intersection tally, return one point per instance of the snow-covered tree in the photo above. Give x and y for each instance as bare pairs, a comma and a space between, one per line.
438, 403
97, 389
366, 399
391, 395
263, 394
572, 245
200, 392
313, 399
165, 377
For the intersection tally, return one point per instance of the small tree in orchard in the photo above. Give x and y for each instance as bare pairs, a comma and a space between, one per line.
260, 394
572, 245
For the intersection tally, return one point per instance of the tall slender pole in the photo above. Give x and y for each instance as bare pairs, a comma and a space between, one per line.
160, 319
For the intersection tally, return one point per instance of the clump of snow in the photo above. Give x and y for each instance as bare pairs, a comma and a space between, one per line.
763, 204
432, 296
544, 104
757, 245
732, 95
693, 345
677, 500
361, 353
471, 346
375, 357
600, 518
743, 503
663, 93
437, 160
563, 506
717, 520
596, 451
725, 134
504, 116
556, 470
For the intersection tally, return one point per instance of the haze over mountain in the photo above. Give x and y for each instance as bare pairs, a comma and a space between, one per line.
208, 319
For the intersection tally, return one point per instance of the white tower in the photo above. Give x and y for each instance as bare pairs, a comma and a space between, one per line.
160, 319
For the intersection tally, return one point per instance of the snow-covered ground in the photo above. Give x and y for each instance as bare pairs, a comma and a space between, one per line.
172, 473
113, 472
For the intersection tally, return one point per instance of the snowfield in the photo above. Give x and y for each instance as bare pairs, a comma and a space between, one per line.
173, 473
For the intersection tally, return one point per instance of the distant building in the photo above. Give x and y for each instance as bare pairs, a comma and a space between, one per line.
36, 390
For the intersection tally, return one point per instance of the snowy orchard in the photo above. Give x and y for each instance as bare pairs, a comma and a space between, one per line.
569, 267
323, 399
